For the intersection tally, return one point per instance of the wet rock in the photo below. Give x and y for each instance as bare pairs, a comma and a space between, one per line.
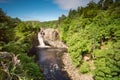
50, 34
51, 37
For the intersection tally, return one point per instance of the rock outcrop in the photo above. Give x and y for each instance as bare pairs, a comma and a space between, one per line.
52, 38
8, 62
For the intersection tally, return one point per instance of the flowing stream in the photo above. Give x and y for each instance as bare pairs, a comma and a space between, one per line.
48, 59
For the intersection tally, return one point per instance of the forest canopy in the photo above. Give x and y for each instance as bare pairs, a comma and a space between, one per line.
93, 32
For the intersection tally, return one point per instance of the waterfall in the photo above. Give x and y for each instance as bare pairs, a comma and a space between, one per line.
41, 41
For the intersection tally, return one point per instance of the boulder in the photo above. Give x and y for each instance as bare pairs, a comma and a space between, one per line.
51, 37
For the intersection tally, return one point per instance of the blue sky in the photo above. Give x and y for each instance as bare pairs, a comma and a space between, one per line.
42, 10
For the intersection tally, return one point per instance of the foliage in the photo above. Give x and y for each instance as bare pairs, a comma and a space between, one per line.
94, 30
16, 37
85, 67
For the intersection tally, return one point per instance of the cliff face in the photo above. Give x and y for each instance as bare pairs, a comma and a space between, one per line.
50, 34
9, 64
51, 37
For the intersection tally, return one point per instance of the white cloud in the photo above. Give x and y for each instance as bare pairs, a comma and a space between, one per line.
71, 4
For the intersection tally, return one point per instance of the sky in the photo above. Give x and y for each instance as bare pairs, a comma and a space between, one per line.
41, 10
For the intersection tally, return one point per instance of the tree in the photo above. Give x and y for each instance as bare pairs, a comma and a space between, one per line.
107, 3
